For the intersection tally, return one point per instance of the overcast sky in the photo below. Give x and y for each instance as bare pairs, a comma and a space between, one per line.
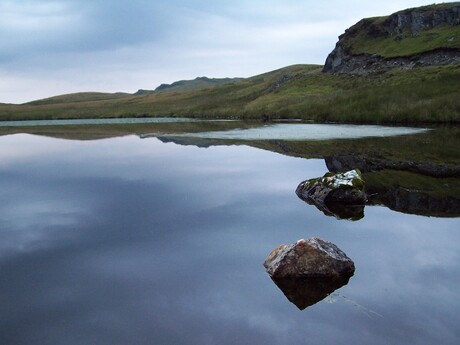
55, 47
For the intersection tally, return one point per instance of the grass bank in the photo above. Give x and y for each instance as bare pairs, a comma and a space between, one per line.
418, 95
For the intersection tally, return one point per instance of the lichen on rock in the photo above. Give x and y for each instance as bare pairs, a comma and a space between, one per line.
346, 187
341, 195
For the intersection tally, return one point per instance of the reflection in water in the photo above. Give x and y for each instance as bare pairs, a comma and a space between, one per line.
340, 195
398, 199
414, 201
337, 210
409, 192
119, 241
100, 121
304, 292
369, 163
307, 132
425, 187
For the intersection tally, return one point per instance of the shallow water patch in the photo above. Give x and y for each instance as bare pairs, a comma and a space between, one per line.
307, 132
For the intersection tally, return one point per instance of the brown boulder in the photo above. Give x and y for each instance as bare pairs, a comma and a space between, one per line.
308, 258
309, 270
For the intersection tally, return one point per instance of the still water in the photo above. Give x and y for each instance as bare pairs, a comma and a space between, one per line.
307, 131
100, 121
136, 241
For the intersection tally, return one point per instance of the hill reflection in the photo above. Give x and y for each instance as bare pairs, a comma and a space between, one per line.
415, 174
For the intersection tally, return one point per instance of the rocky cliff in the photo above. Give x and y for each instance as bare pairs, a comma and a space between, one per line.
423, 36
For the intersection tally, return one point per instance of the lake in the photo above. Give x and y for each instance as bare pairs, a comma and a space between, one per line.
112, 236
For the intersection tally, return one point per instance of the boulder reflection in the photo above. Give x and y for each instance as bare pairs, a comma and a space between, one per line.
420, 189
337, 210
309, 270
305, 292
340, 195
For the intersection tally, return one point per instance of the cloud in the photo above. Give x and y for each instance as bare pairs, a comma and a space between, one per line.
50, 47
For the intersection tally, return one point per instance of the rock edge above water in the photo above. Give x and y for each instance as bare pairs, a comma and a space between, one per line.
344, 188
310, 258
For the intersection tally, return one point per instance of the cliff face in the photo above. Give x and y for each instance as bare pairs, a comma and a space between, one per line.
424, 36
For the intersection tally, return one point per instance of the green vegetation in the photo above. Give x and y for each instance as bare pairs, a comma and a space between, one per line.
405, 33
415, 95
189, 85
79, 97
428, 94
422, 193
436, 147
444, 36
434, 187
94, 132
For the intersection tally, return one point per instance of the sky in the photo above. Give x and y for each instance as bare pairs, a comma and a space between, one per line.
54, 47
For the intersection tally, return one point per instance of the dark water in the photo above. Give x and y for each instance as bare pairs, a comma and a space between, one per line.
136, 241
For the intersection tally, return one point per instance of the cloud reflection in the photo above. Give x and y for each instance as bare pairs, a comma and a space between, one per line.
144, 242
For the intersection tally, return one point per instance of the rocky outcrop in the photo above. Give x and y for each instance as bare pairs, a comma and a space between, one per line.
393, 185
310, 258
342, 188
341, 61
349, 56
309, 270
420, 19
340, 195
280, 82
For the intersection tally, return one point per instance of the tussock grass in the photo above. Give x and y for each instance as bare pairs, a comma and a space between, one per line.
424, 94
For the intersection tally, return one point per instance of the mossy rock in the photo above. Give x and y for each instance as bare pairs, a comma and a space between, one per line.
332, 190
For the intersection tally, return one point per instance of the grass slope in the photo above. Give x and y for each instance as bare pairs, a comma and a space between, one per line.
195, 84
371, 36
441, 37
425, 94
80, 97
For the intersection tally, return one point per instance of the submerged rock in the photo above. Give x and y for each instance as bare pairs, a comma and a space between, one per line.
309, 258
341, 195
309, 270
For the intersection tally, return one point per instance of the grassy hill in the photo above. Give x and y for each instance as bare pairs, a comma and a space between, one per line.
406, 33
428, 94
415, 93
79, 97
195, 84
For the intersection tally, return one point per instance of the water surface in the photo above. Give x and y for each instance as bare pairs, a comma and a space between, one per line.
308, 132
100, 121
135, 241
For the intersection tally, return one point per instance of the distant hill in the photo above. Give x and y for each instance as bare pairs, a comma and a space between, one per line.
188, 85
80, 97
423, 36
